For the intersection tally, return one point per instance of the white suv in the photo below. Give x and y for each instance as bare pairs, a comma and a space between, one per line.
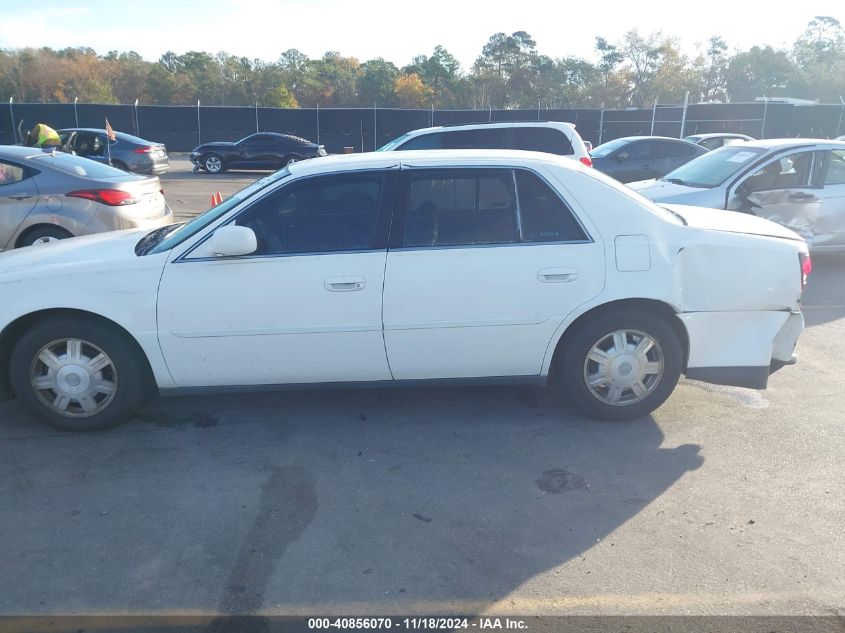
553, 137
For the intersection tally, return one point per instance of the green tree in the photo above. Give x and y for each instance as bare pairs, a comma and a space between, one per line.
759, 72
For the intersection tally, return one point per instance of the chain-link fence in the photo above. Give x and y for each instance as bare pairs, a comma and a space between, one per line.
181, 128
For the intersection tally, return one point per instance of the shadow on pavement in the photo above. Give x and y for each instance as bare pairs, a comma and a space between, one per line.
367, 501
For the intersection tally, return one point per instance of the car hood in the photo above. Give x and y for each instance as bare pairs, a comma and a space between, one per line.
103, 252
215, 145
731, 222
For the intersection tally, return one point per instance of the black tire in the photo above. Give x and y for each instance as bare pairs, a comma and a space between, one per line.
573, 362
213, 163
45, 232
128, 372
119, 165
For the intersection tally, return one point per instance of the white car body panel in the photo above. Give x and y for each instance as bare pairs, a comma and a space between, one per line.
456, 312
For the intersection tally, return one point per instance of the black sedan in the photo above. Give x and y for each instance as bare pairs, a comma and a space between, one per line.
641, 157
265, 150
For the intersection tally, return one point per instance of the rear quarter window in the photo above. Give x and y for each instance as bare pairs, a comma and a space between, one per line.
543, 139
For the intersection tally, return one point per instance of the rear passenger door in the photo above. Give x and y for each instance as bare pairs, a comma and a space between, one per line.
481, 138
483, 266
18, 196
830, 227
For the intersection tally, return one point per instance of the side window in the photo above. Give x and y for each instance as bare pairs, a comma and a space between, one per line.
83, 143
485, 138
542, 139
11, 173
460, 207
319, 215
425, 141
784, 173
665, 149
637, 151
713, 143
545, 217
835, 168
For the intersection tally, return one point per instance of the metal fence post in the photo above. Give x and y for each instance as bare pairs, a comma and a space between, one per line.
318, 124
137, 122
684, 114
432, 114
256, 117
653, 115
841, 114
199, 127
491, 114
375, 127
12, 114
765, 109
75, 113
601, 123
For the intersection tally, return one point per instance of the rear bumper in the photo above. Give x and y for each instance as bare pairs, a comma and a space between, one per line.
741, 349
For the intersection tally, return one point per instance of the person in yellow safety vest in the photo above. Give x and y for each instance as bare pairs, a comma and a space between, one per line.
43, 136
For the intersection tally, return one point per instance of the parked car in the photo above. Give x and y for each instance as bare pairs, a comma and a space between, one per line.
799, 183
717, 140
127, 152
501, 267
266, 150
638, 157
840, 138
47, 196
553, 137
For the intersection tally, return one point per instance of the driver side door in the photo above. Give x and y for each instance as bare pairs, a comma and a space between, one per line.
786, 190
305, 307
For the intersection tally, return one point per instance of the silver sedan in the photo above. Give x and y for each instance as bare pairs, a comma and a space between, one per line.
799, 183
47, 196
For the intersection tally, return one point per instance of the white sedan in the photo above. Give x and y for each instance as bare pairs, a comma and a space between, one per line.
405, 268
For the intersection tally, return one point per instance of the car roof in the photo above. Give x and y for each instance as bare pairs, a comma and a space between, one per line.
719, 135
650, 138
781, 143
123, 136
20, 152
439, 157
492, 124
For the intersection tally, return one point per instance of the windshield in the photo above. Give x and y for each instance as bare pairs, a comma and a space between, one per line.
606, 149
387, 147
162, 240
712, 169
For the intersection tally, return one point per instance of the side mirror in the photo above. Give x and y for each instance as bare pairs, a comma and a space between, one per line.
233, 241
622, 156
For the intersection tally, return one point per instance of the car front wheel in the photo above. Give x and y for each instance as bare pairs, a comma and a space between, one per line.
76, 374
213, 164
621, 365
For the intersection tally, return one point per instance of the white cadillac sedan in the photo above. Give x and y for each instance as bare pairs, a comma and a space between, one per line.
406, 268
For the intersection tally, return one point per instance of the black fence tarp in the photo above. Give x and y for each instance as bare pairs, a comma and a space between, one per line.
181, 128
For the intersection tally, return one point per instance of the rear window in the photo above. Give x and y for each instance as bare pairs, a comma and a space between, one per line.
79, 166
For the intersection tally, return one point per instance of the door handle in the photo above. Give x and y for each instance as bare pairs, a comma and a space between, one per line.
344, 284
800, 195
21, 196
557, 275
646, 167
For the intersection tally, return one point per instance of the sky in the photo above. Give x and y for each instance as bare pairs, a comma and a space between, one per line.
396, 30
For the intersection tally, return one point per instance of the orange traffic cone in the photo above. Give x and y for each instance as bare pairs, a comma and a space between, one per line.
213, 200
219, 198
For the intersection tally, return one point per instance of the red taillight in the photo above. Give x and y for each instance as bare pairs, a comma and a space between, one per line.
806, 268
586, 160
144, 150
111, 197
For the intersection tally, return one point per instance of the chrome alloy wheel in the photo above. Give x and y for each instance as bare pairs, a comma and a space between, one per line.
47, 239
213, 164
73, 378
623, 367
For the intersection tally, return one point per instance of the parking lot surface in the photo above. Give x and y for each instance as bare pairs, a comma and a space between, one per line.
455, 500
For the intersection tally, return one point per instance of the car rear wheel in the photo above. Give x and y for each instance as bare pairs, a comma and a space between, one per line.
290, 160
621, 365
43, 235
76, 374
213, 164
119, 165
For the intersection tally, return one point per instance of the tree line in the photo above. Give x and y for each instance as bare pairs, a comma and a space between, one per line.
509, 73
